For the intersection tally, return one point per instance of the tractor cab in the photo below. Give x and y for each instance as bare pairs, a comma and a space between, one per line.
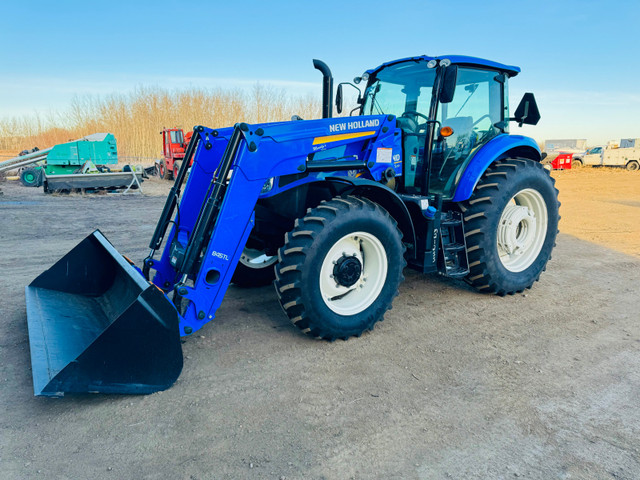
447, 109
173, 143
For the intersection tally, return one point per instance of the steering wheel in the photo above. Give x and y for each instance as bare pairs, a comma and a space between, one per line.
417, 114
486, 115
423, 126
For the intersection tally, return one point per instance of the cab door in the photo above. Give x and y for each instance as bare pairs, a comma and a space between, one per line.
166, 144
593, 156
474, 116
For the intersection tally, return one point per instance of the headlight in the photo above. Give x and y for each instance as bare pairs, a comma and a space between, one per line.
365, 77
268, 185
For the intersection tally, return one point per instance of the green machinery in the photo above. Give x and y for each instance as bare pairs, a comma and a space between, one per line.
99, 149
82, 163
91, 153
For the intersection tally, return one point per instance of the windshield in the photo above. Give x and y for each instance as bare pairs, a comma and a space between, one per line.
400, 88
176, 136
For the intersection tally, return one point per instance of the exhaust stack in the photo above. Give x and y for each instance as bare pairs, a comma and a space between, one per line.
327, 88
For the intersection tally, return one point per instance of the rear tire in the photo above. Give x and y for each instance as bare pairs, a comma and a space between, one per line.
511, 223
255, 269
576, 163
340, 268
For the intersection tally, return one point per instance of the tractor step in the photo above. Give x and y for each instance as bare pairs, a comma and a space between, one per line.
456, 272
454, 247
453, 261
449, 222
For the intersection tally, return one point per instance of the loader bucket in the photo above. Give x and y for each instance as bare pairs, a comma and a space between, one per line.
96, 325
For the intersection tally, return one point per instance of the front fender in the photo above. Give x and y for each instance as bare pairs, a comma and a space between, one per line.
502, 146
386, 198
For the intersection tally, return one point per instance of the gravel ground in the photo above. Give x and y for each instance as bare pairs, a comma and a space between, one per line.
453, 384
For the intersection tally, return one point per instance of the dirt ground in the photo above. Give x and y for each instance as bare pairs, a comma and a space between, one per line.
453, 384
601, 205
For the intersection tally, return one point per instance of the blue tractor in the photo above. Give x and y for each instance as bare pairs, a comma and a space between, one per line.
425, 176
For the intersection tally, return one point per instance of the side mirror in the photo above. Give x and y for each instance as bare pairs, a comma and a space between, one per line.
448, 88
527, 111
339, 96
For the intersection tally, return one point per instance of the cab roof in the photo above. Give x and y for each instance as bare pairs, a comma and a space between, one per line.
510, 70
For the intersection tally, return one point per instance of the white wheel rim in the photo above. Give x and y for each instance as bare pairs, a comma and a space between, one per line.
256, 258
355, 298
522, 230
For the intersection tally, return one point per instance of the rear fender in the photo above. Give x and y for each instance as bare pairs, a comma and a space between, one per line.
502, 146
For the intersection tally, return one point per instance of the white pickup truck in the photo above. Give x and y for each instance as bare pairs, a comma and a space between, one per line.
626, 154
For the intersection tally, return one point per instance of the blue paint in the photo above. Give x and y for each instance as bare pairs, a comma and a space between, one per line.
494, 149
26, 202
511, 70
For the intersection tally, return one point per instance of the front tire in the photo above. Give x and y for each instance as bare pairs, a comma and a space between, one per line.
176, 169
163, 171
340, 268
511, 223
633, 165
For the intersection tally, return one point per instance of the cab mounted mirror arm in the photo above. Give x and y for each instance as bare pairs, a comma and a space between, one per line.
339, 97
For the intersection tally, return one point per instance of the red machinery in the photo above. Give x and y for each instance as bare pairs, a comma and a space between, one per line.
562, 161
174, 143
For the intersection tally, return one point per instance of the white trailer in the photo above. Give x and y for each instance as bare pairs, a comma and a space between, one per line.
627, 155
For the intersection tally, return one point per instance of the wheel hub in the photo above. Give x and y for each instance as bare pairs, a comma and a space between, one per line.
522, 230
347, 271
353, 273
258, 259
516, 226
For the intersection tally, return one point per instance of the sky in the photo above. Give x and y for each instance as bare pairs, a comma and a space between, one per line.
580, 58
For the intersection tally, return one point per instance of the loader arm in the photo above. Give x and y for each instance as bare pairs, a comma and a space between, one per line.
216, 213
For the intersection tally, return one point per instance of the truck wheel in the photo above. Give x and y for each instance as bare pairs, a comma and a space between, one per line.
576, 163
164, 173
255, 268
340, 268
511, 223
176, 169
31, 177
633, 165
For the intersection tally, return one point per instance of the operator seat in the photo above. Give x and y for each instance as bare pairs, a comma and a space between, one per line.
457, 147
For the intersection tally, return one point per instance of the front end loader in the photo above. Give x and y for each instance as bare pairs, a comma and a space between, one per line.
330, 210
